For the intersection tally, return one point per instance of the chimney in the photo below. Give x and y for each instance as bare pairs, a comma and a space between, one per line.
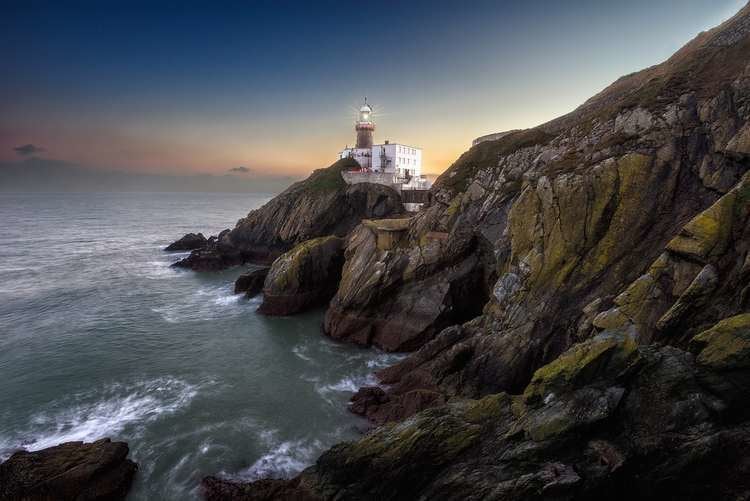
387, 142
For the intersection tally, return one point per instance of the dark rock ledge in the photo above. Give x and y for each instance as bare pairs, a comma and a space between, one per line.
189, 242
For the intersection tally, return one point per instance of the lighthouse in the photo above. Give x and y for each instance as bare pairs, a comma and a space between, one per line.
394, 164
365, 127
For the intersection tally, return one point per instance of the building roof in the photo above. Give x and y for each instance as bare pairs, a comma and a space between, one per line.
397, 144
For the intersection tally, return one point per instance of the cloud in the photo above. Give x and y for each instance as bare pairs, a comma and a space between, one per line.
240, 170
27, 150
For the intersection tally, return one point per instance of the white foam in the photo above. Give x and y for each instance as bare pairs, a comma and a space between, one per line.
349, 384
159, 269
121, 406
384, 360
301, 352
206, 303
283, 461
228, 300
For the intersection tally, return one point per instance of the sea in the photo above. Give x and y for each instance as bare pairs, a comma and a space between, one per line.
101, 337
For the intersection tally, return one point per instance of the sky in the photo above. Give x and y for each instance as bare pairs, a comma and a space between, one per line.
272, 86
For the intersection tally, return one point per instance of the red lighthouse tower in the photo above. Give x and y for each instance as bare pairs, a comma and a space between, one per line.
365, 127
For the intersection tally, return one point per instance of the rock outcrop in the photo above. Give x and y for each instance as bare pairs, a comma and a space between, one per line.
597, 271
321, 205
305, 277
251, 283
71, 471
191, 241
398, 299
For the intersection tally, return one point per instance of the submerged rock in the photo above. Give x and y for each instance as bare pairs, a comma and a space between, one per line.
251, 283
191, 241
305, 277
71, 471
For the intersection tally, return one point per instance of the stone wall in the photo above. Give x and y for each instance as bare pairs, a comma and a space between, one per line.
371, 177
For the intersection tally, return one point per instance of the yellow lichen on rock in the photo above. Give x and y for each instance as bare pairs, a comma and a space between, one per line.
708, 233
726, 345
606, 353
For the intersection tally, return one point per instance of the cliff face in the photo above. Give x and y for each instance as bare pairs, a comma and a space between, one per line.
574, 212
321, 205
605, 259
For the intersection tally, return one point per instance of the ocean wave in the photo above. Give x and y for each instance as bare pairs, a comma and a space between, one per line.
156, 270
206, 303
283, 461
88, 416
348, 384
384, 360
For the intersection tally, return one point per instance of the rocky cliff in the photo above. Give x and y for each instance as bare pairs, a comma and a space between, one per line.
598, 273
321, 205
580, 208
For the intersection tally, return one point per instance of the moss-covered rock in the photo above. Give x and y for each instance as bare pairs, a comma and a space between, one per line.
305, 277
603, 357
726, 345
708, 233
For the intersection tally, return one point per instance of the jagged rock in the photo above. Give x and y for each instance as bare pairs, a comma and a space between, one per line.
397, 300
321, 205
218, 253
71, 471
724, 350
251, 283
409, 389
305, 277
739, 145
667, 436
189, 242
702, 266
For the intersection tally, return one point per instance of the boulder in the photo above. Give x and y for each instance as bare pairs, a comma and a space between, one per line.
251, 283
305, 277
71, 471
189, 242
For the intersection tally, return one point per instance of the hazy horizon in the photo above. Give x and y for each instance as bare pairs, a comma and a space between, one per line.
35, 174
154, 91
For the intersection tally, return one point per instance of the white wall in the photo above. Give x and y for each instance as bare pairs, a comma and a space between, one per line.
362, 155
402, 158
